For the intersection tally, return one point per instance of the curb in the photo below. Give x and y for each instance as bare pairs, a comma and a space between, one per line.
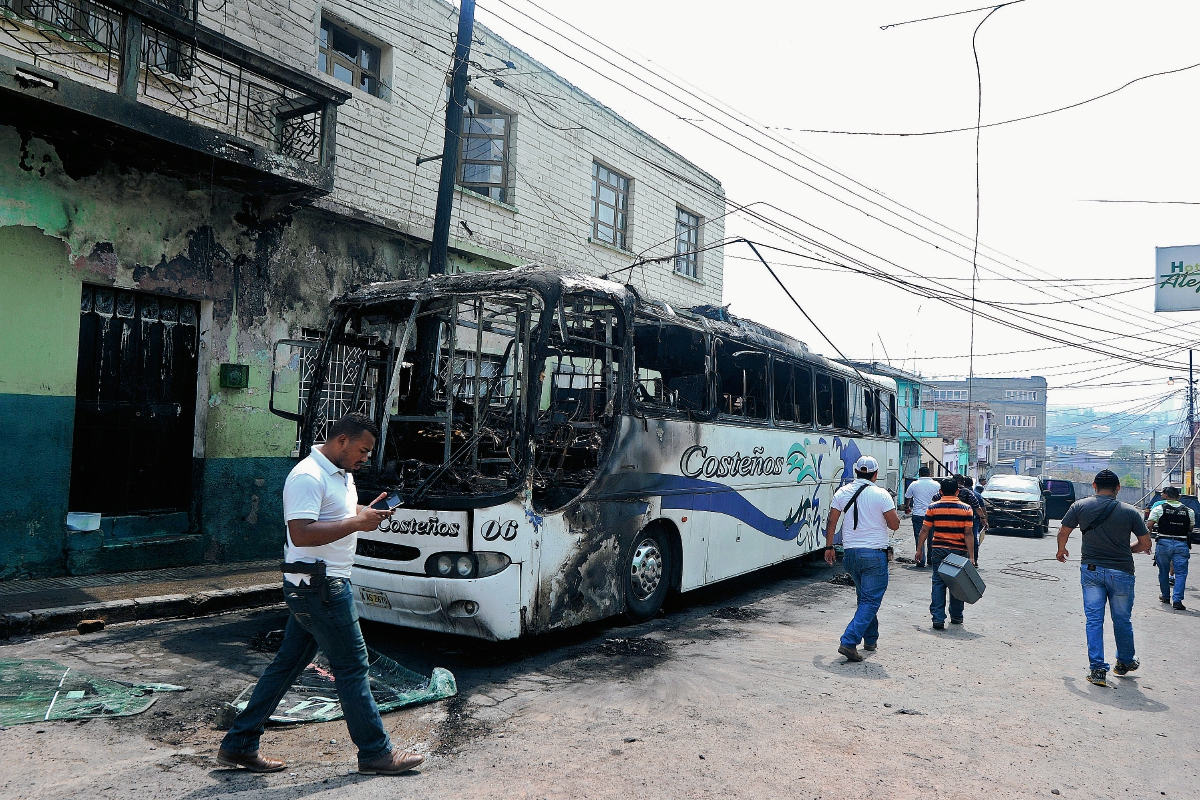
200, 604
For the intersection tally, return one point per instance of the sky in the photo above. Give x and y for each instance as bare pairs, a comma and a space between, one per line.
907, 205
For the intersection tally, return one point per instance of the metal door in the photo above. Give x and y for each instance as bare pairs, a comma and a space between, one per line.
1060, 495
135, 403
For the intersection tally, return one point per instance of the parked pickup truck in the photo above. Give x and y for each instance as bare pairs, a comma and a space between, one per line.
1025, 503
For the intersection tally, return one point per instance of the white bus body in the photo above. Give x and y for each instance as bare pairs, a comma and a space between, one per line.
650, 493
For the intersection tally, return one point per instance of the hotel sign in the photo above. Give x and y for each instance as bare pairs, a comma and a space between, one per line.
1177, 278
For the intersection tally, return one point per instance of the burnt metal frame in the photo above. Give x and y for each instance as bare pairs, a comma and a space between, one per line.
303, 110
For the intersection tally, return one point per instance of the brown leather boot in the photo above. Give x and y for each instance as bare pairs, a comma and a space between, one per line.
394, 763
252, 762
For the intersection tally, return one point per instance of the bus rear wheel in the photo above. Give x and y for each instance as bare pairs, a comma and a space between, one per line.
647, 575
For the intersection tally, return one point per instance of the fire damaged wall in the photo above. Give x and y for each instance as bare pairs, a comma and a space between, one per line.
260, 271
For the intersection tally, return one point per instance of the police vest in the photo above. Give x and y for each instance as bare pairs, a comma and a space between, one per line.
1175, 522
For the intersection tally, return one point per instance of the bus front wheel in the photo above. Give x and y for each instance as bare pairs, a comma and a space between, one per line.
647, 575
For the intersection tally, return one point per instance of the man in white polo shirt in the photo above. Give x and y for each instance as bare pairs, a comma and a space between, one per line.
870, 516
320, 506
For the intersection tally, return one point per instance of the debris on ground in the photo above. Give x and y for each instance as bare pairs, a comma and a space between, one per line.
904, 560
843, 579
633, 647
40, 690
313, 697
267, 641
90, 625
736, 614
910, 711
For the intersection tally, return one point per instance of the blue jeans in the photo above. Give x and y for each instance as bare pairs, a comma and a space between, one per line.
332, 626
869, 569
1168, 553
918, 523
937, 604
1114, 587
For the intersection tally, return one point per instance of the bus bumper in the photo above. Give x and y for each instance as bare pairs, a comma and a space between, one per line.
442, 604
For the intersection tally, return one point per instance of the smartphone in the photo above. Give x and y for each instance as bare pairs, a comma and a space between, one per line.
387, 503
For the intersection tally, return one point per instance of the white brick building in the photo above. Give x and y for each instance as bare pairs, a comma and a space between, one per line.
556, 133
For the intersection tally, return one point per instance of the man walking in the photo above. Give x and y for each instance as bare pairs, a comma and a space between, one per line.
1172, 522
917, 498
871, 514
1106, 569
320, 506
968, 496
948, 525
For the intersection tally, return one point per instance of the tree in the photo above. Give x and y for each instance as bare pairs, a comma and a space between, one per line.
1131, 481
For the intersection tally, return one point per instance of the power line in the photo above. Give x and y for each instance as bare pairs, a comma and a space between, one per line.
951, 14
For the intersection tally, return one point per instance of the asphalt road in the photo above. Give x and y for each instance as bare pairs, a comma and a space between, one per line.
737, 692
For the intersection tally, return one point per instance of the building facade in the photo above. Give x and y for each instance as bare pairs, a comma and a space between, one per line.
187, 184
920, 442
1005, 418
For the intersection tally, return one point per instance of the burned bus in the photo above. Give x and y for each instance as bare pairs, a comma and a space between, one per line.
564, 449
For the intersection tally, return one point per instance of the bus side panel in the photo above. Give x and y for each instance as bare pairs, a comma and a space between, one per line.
581, 577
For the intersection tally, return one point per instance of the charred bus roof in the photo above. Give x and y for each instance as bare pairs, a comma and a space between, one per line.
552, 283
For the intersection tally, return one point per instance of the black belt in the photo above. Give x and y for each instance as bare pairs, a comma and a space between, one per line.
318, 580
1177, 538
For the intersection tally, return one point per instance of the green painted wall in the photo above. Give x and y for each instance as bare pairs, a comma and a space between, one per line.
35, 471
242, 507
39, 310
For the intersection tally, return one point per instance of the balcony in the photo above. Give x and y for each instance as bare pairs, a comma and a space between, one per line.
920, 422
154, 83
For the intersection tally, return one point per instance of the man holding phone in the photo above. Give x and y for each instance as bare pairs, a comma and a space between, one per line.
320, 506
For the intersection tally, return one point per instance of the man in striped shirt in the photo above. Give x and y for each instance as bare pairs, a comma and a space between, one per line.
950, 523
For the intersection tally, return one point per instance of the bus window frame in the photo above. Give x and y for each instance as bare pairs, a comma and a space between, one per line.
655, 410
844, 423
717, 381
793, 366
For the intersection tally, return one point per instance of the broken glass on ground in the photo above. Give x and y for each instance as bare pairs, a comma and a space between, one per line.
313, 697
41, 690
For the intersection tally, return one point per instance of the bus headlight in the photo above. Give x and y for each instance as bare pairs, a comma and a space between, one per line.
466, 565
491, 563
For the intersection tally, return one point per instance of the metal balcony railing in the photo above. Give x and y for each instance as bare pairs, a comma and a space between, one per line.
157, 55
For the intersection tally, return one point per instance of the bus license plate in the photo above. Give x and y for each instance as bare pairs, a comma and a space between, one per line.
372, 598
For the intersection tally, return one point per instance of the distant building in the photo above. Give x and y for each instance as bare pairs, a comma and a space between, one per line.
1011, 436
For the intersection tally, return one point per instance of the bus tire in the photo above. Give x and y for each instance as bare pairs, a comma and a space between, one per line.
647, 574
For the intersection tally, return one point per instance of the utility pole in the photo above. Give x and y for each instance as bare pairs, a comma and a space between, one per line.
454, 117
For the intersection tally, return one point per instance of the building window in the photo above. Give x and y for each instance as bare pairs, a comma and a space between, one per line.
687, 243
349, 59
949, 394
1019, 445
1024, 395
484, 153
1020, 421
610, 206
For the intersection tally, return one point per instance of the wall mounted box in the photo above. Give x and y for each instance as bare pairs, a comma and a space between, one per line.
235, 376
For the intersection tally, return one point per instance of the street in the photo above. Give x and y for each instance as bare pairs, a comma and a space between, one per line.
737, 692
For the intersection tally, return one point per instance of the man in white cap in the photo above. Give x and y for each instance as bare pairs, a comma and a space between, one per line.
871, 516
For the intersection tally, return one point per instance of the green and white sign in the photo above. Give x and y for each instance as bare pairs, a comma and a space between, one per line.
1177, 278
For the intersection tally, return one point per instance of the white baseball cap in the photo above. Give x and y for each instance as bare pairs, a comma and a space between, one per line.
866, 464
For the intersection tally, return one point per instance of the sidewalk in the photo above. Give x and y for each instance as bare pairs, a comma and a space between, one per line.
60, 603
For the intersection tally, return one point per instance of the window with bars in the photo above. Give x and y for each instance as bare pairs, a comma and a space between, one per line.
610, 206
949, 394
349, 59
1020, 394
1019, 445
687, 243
1020, 421
483, 157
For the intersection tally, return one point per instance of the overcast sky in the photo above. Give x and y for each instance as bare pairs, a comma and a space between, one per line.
820, 65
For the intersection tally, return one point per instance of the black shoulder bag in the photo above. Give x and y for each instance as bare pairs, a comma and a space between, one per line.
1100, 518
854, 504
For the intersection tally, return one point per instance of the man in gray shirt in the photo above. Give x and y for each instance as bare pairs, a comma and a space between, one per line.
1106, 569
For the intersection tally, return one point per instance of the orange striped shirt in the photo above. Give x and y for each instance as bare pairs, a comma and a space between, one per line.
952, 522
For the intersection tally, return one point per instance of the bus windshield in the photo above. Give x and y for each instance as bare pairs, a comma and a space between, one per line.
473, 392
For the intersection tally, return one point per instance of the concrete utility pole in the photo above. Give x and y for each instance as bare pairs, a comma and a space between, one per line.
454, 117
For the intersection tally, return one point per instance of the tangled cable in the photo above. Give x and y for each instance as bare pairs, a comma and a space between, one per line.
1017, 568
